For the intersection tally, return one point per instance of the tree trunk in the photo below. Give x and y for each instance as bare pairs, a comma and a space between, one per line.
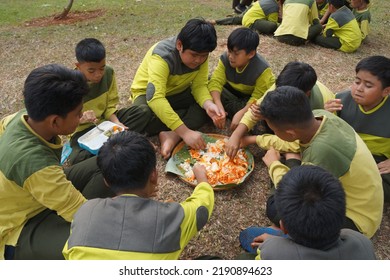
65, 11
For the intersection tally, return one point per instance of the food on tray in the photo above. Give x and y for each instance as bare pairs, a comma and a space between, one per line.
221, 170
114, 130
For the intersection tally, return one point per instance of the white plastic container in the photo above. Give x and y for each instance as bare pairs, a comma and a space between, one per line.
95, 138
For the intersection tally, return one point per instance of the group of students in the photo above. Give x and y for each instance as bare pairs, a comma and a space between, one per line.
50, 212
335, 24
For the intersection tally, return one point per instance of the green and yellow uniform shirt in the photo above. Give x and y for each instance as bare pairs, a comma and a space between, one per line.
163, 74
372, 126
31, 180
253, 80
102, 98
343, 25
298, 15
337, 148
262, 9
364, 19
319, 95
129, 227
351, 245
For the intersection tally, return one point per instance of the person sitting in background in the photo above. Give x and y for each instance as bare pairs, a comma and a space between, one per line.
361, 11
366, 107
342, 31
132, 226
311, 203
262, 17
323, 13
300, 22
241, 77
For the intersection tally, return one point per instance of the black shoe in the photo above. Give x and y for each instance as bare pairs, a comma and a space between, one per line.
239, 9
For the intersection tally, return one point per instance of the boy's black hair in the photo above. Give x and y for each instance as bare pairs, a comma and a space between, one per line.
287, 106
243, 38
378, 66
198, 35
126, 160
297, 74
337, 3
90, 50
311, 205
53, 90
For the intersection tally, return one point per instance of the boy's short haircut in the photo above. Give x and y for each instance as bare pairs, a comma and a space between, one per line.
287, 106
297, 74
337, 3
198, 35
311, 204
126, 160
90, 50
378, 66
53, 89
243, 38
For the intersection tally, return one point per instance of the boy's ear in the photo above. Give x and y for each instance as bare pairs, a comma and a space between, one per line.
154, 176
292, 133
252, 53
77, 65
282, 227
179, 45
386, 91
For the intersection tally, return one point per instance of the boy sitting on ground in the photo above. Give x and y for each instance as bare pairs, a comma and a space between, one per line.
327, 141
100, 104
131, 225
242, 76
310, 203
297, 74
38, 196
172, 81
366, 107
342, 31
362, 14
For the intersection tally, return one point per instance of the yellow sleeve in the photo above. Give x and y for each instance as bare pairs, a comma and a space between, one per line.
276, 171
327, 94
113, 99
266, 141
218, 79
51, 188
273, 17
365, 28
263, 83
313, 12
330, 25
199, 85
158, 73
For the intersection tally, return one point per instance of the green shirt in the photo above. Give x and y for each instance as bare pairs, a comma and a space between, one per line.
31, 180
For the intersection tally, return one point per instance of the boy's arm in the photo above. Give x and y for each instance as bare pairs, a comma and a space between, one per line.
158, 73
268, 141
199, 87
263, 83
314, 14
112, 98
330, 27
365, 28
51, 188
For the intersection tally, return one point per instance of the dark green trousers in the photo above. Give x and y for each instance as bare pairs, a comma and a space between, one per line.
263, 26
184, 105
133, 117
233, 101
44, 236
385, 179
328, 42
314, 30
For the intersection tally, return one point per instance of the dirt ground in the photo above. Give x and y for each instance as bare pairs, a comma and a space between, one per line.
245, 205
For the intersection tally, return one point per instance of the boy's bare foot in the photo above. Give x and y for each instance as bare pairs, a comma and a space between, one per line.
168, 141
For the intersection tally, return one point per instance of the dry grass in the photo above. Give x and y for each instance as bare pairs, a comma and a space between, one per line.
24, 48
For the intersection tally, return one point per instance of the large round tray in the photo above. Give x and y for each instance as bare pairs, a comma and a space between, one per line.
181, 153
